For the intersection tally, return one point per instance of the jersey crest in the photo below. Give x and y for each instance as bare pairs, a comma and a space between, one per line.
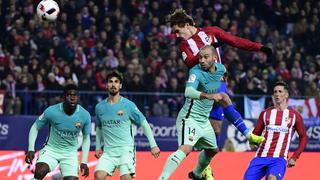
120, 112
78, 125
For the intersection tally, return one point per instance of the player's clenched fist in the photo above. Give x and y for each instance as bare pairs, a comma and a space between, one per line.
291, 163
155, 151
84, 169
29, 157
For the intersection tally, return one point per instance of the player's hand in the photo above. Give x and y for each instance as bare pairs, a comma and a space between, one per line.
29, 157
155, 151
266, 50
291, 163
216, 97
84, 170
98, 154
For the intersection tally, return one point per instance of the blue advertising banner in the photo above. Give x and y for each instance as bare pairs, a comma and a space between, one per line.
164, 131
312, 126
14, 131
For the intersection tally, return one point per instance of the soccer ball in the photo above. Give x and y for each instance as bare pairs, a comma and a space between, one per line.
48, 10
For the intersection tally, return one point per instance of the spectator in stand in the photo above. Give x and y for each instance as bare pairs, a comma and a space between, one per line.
12, 102
86, 29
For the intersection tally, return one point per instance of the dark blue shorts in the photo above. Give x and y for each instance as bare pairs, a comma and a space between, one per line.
217, 111
264, 166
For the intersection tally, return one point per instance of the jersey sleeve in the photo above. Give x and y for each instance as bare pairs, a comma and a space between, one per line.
98, 121
299, 126
193, 79
234, 41
135, 114
43, 119
260, 124
189, 59
87, 125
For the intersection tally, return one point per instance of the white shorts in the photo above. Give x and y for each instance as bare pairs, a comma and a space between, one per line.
199, 135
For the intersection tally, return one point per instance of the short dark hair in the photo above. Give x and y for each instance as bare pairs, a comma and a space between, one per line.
69, 87
180, 17
115, 74
282, 83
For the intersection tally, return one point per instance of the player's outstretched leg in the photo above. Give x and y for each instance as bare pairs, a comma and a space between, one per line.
233, 116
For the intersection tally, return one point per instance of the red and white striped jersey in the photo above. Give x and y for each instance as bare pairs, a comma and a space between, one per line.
278, 127
190, 48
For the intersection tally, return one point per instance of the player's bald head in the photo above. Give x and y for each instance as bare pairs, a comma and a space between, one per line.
208, 48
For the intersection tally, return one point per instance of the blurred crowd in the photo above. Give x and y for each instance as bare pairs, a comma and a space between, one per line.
91, 38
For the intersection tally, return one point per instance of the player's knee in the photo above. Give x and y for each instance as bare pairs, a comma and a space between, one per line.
225, 98
186, 149
272, 177
126, 177
99, 175
41, 171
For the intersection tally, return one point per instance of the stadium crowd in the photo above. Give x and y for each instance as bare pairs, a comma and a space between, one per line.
91, 38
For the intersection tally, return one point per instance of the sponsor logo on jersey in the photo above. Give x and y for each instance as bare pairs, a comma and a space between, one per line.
275, 128
120, 112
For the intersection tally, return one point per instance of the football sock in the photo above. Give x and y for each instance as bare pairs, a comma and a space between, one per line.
172, 163
235, 118
203, 162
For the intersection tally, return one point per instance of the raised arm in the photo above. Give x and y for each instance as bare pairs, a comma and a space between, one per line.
235, 41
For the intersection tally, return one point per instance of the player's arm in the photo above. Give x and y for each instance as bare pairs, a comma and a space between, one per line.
99, 151
86, 139
260, 124
188, 58
155, 151
239, 42
33, 134
257, 130
299, 126
192, 93
98, 138
194, 81
85, 146
139, 119
192, 85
